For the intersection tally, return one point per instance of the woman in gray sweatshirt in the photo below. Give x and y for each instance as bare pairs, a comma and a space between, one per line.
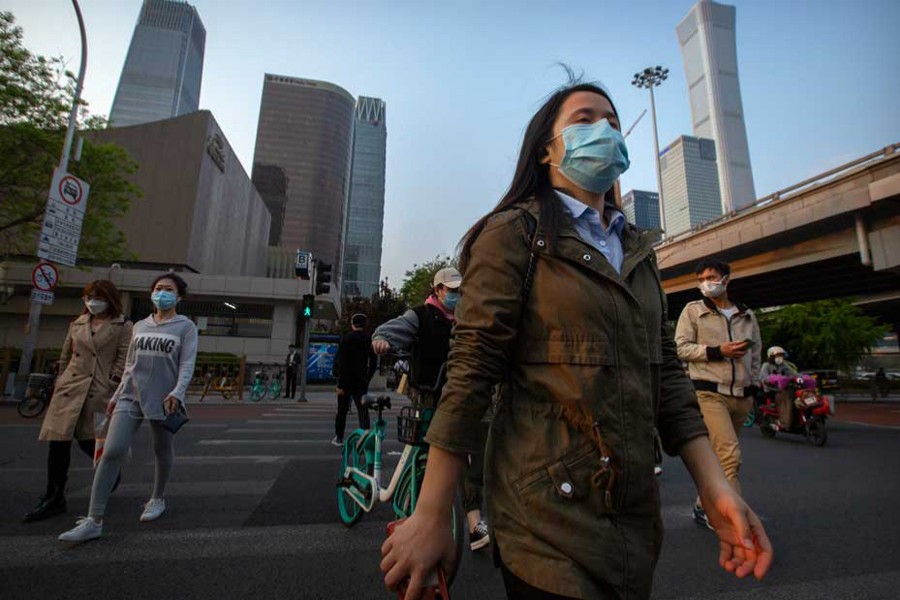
158, 369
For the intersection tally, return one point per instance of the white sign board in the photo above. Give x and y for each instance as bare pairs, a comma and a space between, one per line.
63, 218
41, 297
302, 263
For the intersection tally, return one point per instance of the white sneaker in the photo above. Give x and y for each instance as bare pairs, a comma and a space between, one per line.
85, 530
153, 510
336, 441
657, 470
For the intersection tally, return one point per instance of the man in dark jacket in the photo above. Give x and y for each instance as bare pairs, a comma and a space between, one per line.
354, 365
291, 367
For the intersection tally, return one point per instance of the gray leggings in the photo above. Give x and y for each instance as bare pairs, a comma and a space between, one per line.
122, 427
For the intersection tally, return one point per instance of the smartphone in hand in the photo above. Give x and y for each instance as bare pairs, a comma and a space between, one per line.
749, 343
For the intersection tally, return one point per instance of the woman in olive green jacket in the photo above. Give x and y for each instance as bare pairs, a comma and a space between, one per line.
562, 304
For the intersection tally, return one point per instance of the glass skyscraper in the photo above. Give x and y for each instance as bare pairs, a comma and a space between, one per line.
365, 217
164, 67
707, 39
642, 208
301, 164
690, 183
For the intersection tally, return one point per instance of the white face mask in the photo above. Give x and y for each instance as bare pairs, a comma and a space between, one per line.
96, 307
713, 289
779, 360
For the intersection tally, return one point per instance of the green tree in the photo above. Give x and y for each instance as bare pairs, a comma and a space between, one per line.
35, 99
827, 334
417, 281
380, 307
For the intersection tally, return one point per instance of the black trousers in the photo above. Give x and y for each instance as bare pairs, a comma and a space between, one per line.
58, 459
516, 589
290, 387
340, 421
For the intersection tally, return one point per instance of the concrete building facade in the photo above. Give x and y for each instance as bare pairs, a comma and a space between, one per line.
260, 326
164, 66
642, 208
707, 39
199, 211
302, 162
690, 183
365, 214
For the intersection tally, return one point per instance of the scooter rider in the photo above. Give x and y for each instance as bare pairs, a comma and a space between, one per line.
777, 365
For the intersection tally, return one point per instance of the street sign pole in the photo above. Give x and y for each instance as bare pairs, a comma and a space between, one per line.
34, 315
305, 354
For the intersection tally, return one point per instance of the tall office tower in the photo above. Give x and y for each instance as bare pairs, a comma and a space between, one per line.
642, 208
706, 37
164, 67
690, 183
301, 165
365, 217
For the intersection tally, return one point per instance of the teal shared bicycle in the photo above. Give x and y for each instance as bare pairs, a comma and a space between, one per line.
359, 486
261, 386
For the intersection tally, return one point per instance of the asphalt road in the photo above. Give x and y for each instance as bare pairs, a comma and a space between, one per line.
252, 514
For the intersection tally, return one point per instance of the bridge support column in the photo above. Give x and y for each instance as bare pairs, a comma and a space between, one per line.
862, 237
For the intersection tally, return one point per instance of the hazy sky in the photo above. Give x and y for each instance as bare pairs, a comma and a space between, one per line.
462, 78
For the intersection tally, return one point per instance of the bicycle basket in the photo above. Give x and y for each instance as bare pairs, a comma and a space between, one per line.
412, 425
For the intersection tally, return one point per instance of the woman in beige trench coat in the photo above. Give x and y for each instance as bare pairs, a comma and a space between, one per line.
90, 368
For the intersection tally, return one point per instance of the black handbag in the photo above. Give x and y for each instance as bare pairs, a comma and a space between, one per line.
175, 420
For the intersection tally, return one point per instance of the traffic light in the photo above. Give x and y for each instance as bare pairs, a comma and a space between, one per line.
323, 278
309, 304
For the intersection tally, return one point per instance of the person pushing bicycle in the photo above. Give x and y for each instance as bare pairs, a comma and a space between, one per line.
426, 330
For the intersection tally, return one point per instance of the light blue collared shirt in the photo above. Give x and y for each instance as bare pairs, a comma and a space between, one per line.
589, 227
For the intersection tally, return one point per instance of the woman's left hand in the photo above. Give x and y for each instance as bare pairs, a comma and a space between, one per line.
744, 546
171, 404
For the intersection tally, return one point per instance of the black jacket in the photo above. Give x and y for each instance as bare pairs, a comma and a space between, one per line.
355, 362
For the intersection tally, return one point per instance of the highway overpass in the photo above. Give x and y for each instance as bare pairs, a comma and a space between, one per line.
833, 235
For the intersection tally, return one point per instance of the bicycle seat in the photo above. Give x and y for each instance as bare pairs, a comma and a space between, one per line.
379, 403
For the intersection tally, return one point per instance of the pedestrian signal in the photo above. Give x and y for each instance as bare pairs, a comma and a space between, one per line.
309, 302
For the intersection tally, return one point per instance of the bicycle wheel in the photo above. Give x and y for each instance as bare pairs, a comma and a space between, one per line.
350, 487
31, 407
404, 507
275, 390
257, 392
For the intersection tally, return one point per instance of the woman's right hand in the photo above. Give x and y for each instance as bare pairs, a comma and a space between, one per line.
380, 346
415, 549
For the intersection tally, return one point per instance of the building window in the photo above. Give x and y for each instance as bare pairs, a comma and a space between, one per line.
225, 318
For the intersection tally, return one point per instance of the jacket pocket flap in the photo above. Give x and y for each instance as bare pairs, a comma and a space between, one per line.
563, 482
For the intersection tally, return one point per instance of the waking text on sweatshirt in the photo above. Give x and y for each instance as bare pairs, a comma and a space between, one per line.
160, 363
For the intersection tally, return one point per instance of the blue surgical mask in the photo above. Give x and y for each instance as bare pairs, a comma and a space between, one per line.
596, 155
451, 299
164, 299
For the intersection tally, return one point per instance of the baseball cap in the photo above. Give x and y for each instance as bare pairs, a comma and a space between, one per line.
448, 277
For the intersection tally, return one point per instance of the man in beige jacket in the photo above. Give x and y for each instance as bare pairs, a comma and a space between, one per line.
719, 339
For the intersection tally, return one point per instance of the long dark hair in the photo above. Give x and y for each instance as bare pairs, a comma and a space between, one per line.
532, 178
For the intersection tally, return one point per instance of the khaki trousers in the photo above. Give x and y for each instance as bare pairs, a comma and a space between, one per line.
724, 416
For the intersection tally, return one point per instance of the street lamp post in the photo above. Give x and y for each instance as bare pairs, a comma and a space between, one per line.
650, 78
